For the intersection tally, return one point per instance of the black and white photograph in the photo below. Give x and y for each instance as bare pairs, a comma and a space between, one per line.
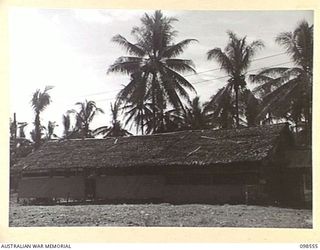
160, 118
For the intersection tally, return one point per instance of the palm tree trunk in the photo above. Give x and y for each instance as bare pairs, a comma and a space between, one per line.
37, 130
308, 117
236, 89
153, 101
141, 122
308, 110
14, 134
86, 130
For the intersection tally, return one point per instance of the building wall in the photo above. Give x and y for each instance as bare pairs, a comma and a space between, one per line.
154, 187
139, 187
51, 187
196, 186
204, 193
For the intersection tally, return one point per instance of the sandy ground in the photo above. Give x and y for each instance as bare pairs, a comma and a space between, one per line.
159, 215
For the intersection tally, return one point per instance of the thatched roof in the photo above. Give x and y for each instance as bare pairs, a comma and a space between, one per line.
201, 147
19, 148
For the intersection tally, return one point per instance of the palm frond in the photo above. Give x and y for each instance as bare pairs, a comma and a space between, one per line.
177, 49
179, 78
101, 130
277, 98
180, 65
273, 72
128, 65
221, 58
134, 49
259, 79
217, 98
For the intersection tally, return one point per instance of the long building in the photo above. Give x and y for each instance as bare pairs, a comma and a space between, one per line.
253, 165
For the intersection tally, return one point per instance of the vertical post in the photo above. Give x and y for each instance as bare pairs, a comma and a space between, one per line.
14, 126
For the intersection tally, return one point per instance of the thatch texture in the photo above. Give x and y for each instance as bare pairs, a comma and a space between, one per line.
198, 148
19, 148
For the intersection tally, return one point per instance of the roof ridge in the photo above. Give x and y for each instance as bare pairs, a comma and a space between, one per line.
171, 133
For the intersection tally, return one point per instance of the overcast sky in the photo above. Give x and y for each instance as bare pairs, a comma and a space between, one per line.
71, 49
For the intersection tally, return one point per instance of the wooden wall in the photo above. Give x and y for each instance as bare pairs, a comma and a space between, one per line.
179, 185
130, 187
51, 187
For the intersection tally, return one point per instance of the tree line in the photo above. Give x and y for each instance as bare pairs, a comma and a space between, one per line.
156, 98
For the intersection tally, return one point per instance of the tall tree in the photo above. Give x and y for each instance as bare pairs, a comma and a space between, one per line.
66, 125
195, 116
115, 130
139, 114
192, 117
50, 130
287, 92
168, 121
21, 126
39, 102
220, 109
153, 65
250, 107
235, 60
13, 127
84, 116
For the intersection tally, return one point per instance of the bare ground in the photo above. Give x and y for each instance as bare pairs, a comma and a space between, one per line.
194, 215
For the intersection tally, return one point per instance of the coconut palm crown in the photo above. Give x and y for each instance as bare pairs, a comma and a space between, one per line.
235, 59
116, 129
153, 65
84, 116
39, 102
287, 91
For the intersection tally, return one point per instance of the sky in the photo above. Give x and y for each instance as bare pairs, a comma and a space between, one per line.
71, 49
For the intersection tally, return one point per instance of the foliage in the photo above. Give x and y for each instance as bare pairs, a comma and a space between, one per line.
287, 92
139, 114
167, 121
195, 116
84, 116
220, 108
234, 60
21, 126
153, 66
115, 129
13, 128
50, 130
39, 102
66, 125
19, 148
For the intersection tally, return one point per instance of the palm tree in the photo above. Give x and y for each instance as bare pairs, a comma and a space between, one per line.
251, 107
88, 110
13, 127
195, 116
39, 102
192, 117
50, 130
220, 108
153, 66
115, 129
66, 125
235, 60
139, 114
287, 92
21, 126
168, 121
